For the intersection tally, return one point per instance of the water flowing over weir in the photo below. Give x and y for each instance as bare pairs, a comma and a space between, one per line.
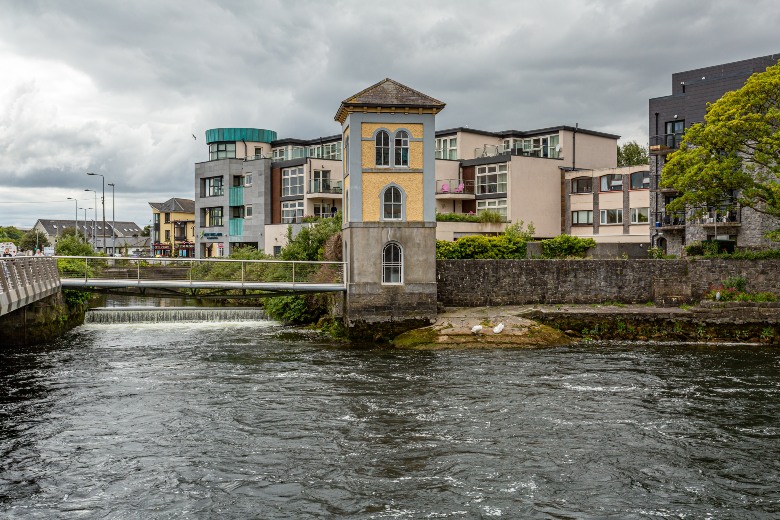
172, 314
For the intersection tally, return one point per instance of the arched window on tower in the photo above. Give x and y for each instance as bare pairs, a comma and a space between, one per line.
401, 148
392, 264
392, 204
382, 148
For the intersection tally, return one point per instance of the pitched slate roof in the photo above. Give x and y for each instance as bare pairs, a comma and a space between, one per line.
55, 227
174, 205
388, 93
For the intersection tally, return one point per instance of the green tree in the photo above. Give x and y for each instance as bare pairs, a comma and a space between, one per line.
10, 234
33, 240
632, 154
734, 152
147, 231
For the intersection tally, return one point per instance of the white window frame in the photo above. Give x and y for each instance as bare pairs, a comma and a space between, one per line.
248, 211
495, 205
484, 173
248, 179
401, 149
292, 181
637, 212
392, 265
292, 212
577, 217
382, 148
393, 204
604, 217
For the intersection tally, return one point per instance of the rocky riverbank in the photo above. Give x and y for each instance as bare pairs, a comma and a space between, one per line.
551, 325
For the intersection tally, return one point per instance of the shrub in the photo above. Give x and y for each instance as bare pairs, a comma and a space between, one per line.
566, 246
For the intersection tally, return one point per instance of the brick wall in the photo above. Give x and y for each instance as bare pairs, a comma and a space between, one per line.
474, 283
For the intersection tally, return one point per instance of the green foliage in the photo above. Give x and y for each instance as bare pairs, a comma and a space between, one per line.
632, 154
309, 243
566, 246
737, 283
70, 245
482, 217
733, 290
74, 298
733, 151
33, 240
10, 234
513, 243
147, 231
656, 253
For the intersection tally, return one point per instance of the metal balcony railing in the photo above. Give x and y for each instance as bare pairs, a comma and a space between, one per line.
670, 219
454, 186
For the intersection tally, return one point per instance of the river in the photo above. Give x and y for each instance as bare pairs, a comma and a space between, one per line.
253, 420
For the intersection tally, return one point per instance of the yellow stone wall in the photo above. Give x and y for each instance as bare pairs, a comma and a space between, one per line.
415, 147
411, 183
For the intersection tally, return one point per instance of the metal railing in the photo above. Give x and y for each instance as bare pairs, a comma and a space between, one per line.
454, 186
87, 271
669, 219
24, 280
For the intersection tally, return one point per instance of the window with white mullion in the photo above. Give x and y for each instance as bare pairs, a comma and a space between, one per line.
292, 181
491, 179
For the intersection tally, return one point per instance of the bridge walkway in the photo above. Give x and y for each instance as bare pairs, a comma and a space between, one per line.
26, 279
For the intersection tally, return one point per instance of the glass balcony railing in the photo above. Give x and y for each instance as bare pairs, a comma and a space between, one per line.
236, 196
236, 227
665, 143
325, 186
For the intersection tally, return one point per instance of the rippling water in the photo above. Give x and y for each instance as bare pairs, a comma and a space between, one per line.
251, 421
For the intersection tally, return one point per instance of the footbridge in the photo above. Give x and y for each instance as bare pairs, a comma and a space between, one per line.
24, 280
190, 274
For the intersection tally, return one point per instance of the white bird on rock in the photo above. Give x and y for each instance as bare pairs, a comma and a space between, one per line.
476, 329
498, 328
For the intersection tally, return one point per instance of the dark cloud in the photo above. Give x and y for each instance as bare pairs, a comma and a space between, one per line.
119, 88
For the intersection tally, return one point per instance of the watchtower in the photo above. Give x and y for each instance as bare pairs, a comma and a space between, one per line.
389, 197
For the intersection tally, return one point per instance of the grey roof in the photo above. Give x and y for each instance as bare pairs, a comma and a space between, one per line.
174, 205
123, 228
388, 93
524, 133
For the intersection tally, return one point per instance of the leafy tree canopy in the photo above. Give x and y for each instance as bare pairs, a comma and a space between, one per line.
10, 234
33, 240
632, 154
735, 151
71, 245
147, 231
309, 243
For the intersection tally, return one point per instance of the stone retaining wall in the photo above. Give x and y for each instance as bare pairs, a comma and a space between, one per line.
475, 283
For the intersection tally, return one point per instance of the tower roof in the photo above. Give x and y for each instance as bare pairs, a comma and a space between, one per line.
390, 94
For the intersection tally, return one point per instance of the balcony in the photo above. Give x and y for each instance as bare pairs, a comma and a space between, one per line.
670, 221
236, 227
325, 188
454, 189
665, 143
721, 218
236, 196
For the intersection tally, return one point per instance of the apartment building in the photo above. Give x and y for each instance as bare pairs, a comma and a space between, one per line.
609, 205
173, 228
255, 186
517, 174
669, 117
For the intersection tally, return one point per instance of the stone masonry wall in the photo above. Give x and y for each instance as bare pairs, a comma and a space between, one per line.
475, 283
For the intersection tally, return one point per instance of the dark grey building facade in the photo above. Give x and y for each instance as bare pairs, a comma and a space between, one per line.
669, 117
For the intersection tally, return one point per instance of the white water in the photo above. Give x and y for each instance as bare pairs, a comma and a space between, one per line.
172, 314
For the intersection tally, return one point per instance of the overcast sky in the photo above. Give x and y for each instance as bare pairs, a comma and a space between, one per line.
119, 88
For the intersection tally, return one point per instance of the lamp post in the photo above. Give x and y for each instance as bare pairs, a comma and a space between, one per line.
103, 202
77, 215
113, 221
85, 223
94, 223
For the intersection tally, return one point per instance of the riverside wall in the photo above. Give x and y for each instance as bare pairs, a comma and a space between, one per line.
476, 283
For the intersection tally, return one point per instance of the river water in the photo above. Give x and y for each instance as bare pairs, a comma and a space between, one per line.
252, 420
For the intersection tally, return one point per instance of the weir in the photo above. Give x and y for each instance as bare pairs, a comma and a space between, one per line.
172, 314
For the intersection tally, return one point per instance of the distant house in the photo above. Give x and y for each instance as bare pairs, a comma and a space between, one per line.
173, 227
120, 237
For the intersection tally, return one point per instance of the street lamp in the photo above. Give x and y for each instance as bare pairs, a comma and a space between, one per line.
113, 221
94, 223
103, 202
85, 223
77, 215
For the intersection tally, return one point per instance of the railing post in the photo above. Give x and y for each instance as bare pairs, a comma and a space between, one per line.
86, 269
243, 262
293, 272
192, 267
138, 270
